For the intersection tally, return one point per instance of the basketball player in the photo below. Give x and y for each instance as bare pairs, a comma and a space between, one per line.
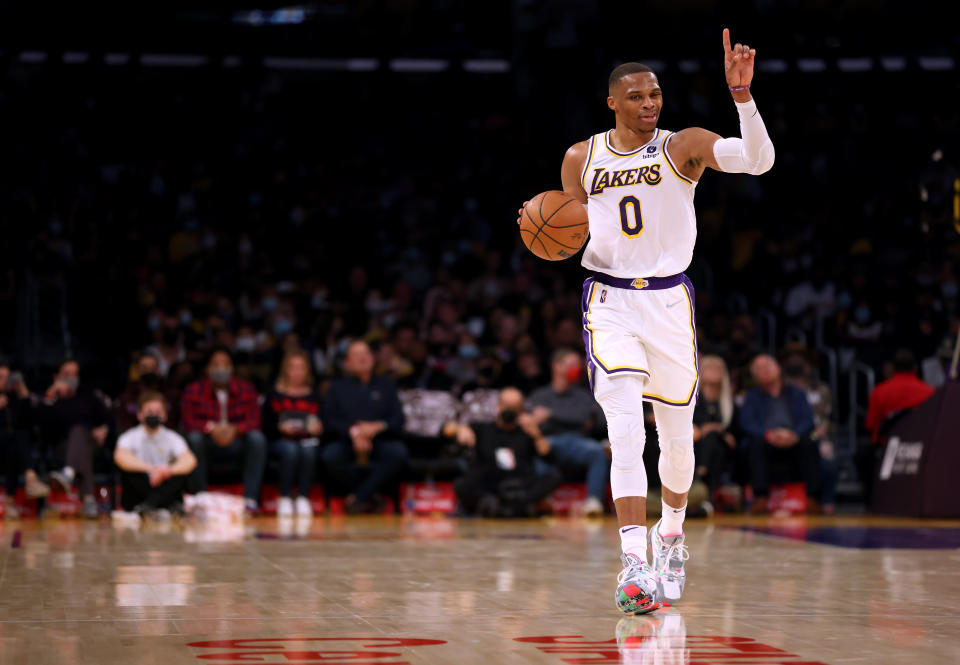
637, 182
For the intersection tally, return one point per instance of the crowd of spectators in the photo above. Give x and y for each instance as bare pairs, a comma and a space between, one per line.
507, 450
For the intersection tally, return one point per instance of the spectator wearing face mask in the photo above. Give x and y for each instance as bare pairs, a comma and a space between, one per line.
145, 376
864, 326
291, 419
154, 461
168, 347
220, 415
502, 480
79, 419
572, 422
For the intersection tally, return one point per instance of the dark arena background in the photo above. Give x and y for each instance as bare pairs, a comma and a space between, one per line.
274, 226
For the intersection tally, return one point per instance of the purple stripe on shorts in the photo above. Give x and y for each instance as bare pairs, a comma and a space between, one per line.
584, 302
641, 283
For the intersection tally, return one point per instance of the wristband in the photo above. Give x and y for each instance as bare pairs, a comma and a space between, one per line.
739, 88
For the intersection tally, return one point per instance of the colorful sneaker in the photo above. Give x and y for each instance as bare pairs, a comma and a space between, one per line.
636, 586
668, 557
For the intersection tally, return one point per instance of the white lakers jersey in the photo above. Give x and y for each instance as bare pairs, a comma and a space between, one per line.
642, 221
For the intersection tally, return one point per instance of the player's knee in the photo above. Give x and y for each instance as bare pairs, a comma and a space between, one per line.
627, 439
676, 463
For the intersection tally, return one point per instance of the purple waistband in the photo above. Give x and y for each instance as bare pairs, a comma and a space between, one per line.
641, 283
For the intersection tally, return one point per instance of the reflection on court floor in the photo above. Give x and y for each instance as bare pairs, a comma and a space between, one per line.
391, 590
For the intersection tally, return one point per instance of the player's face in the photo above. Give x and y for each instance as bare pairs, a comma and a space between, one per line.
637, 100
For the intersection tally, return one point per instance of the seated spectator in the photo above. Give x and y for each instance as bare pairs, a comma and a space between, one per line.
899, 393
291, 420
777, 422
502, 480
365, 420
570, 418
220, 416
168, 347
799, 372
904, 390
16, 411
713, 443
145, 377
80, 422
154, 461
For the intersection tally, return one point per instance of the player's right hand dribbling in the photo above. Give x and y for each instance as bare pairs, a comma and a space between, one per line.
520, 212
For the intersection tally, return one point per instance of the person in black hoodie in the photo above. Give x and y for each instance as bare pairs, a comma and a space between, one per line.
502, 480
80, 420
291, 421
364, 418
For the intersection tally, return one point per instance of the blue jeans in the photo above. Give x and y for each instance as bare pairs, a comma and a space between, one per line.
296, 459
386, 463
572, 449
251, 447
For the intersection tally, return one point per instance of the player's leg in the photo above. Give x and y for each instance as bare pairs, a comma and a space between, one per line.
676, 467
677, 463
621, 398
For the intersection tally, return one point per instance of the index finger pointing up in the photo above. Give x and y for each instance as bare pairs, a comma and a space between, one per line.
726, 40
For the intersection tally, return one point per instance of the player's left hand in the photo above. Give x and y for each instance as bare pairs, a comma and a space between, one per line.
520, 212
737, 62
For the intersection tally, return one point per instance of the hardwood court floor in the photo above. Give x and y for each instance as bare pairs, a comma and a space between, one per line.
377, 590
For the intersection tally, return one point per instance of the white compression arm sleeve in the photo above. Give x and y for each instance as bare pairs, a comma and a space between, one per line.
754, 152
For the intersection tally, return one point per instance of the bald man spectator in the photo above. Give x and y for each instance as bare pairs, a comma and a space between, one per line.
502, 480
221, 418
777, 423
365, 419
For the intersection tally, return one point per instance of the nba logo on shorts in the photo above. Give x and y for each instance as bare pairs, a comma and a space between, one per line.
603, 295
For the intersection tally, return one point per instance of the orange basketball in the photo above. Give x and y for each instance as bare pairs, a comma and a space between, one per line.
554, 225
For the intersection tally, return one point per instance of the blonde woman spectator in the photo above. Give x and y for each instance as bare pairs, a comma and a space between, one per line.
713, 443
291, 421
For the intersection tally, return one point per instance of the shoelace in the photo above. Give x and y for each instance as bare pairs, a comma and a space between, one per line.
632, 568
676, 551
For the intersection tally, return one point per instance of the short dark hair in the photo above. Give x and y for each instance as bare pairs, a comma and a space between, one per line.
626, 69
903, 361
562, 353
150, 396
220, 348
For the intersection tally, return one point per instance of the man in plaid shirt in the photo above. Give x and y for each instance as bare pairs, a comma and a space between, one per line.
220, 416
